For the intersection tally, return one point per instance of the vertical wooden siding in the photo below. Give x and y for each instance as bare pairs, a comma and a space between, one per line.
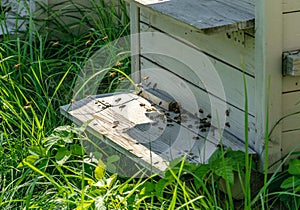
291, 85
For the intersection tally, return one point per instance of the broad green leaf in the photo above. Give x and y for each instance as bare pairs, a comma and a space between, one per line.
215, 157
76, 149
226, 172
85, 205
111, 168
160, 187
62, 155
112, 158
237, 158
29, 159
291, 182
148, 188
294, 167
100, 170
37, 151
201, 171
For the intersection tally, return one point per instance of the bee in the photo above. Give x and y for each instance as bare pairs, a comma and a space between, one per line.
17, 65
208, 116
140, 92
160, 103
148, 84
207, 124
105, 38
170, 125
115, 124
201, 111
203, 130
155, 163
155, 85
142, 104
146, 78
169, 120
118, 100
227, 112
121, 78
55, 44
118, 64
196, 137
87, 42
112, 74
27, 107
227, 124
190, 126
122, 106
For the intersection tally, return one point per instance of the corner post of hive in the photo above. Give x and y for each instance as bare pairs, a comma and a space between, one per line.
268, 76
135, 41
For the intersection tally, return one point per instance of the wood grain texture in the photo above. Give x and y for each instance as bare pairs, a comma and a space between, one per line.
207, 16
192, 98
291, 31
163, 50
268, 61
290, 106
219, 45
290, 5
150, 138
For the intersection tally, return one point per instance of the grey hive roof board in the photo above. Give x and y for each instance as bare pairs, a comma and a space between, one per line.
207, 15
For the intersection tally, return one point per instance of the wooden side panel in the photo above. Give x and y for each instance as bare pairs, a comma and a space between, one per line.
290, 5
291, 105
291, 142
219, 45
193, 98
170, 50
291, 31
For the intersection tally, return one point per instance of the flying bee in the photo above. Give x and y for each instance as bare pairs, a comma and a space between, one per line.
118, 64
105, 38
146, 78
121, 78
87, 42
26, 107
118, 100
17, 65
112, 74
55, 44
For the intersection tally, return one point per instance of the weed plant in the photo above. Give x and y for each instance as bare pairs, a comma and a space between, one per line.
43, 164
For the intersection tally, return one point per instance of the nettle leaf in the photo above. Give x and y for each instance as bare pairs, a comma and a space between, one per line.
226, 172
29, 159
291, 182
37, 151
76, 149
100, 170
200, 173
62, 155
294, 167
112, 158
216, 157
237, 158
160, 187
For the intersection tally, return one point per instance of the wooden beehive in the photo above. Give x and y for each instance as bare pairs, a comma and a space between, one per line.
188, 38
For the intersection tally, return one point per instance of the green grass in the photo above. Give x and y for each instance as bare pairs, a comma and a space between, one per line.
43, 164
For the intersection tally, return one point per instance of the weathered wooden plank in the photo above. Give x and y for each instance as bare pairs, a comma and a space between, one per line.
135, 42
268, 61
291, 31
149, 137
291, 142
163, 50
193, 99
219, 45
291, 105
291, 63
207, 16
290, 84
290, 5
